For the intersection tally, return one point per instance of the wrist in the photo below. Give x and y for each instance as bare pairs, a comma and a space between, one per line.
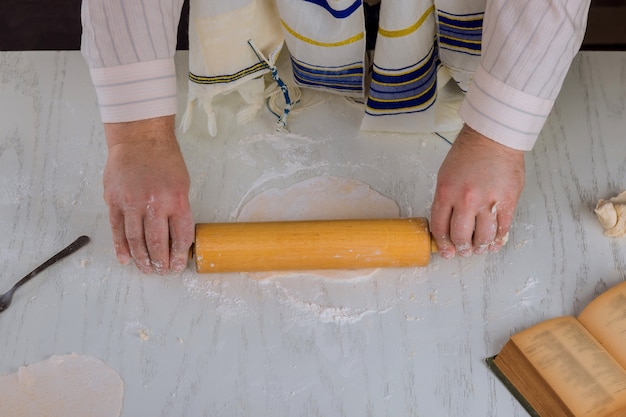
154, 130
470, 137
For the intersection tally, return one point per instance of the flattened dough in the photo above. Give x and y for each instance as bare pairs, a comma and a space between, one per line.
62, 386
612, 215
319, 198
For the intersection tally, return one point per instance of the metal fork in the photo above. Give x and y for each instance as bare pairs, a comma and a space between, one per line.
6, 298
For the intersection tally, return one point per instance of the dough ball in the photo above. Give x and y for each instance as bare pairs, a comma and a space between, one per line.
612, 215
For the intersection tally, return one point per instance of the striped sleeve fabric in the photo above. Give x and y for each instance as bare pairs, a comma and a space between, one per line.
129, 46
527, 48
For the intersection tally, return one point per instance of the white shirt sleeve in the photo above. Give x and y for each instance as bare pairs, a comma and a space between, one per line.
527, 49
129, 46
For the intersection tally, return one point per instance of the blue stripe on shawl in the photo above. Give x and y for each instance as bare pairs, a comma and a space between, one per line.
457, 43
460, 33
406, 92
456, 33
337, 14
341, 78
475, 23
414, 105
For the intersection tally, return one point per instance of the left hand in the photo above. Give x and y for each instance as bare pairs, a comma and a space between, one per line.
146, 187
478, 186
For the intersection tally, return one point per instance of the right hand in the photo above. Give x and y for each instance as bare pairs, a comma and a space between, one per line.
478, 187
146, 187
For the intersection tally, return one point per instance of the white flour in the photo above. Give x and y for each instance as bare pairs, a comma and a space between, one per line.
301, 306
293, 183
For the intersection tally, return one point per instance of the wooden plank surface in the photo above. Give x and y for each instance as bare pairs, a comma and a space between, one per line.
402, 342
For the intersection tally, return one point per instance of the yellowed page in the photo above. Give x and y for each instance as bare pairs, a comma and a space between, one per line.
605, 318
588, 380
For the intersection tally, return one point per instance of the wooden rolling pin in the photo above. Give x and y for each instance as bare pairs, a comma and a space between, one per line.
318, 244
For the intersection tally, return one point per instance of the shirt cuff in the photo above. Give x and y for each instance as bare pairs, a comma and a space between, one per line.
137, 91
502, 113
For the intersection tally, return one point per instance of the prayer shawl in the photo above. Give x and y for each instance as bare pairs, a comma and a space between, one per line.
419, 44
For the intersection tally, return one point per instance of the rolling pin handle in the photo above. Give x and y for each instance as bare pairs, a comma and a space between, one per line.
433, 245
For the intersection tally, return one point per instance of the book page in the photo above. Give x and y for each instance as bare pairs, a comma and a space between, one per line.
605, 318
588, 380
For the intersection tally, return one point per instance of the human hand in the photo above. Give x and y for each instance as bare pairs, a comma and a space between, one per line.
478, 186
146, 186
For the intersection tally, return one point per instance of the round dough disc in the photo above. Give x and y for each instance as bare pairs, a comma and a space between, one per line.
319, 198
68, 385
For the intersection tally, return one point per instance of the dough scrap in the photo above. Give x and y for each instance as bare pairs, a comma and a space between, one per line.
319, 198
62, 386
612, 215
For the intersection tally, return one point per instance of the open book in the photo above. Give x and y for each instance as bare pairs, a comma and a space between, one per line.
570, 366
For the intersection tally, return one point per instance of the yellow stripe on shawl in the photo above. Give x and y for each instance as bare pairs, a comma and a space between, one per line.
461, 18
478, 42
225, 79
347, 41
400, 109
406, 31
407, 71
314, 67
460, 48
395, 100
402, 83
448, 25
425, 74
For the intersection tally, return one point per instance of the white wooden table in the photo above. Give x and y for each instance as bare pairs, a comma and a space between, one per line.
408, 342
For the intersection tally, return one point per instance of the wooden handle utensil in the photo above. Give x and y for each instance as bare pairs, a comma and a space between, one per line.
318, 244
